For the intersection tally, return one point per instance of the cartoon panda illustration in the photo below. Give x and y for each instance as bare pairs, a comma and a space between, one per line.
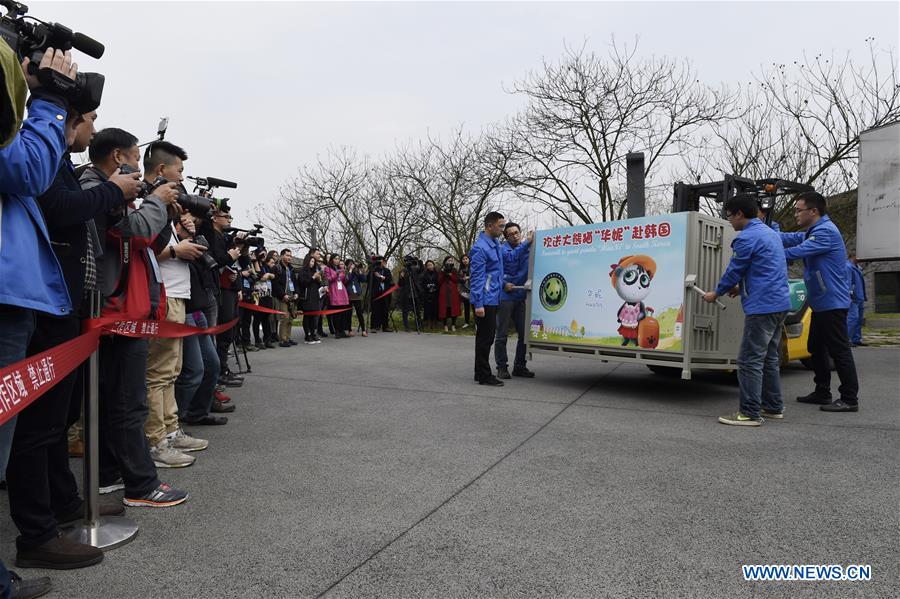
631, 278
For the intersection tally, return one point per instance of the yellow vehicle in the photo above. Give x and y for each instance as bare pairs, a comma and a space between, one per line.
796, 326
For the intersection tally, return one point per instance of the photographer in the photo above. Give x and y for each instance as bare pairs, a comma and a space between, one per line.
336, 277
262, 296
285, 296
196, 385
380, 280
309, 283
130, 290
225, 254
464, 277
168, 441
28, 164
430, 288
448, 294
356, 278
38, 474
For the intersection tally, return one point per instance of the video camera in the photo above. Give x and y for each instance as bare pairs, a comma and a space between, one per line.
251, 239
205, 259
30, 40
199, 206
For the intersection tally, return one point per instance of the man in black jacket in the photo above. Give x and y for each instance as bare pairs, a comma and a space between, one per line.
284, 293
42, 490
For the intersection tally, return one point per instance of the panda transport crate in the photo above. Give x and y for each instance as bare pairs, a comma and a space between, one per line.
627, 291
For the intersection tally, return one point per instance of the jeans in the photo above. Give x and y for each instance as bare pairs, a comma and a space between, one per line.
514, 311
16, 326
41, 485
124, 451
854, 322
196, 385
758, 364
828, 336
227, 313
485, 329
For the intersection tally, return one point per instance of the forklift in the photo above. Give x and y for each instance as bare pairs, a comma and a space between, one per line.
687, 198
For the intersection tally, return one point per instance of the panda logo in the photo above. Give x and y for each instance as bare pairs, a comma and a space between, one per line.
553, 292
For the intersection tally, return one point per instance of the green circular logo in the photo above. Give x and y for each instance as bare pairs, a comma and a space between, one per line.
553, 292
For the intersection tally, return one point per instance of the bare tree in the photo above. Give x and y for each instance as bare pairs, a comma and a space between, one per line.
348, 202
453, 183
802, 122
566, 150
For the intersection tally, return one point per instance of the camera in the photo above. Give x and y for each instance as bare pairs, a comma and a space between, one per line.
199, 206
30, 39
251, 239
448, 268
205, 260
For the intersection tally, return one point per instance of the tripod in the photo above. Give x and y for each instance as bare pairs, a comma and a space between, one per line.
411, 277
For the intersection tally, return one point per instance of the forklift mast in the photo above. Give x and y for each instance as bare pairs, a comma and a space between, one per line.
687, 196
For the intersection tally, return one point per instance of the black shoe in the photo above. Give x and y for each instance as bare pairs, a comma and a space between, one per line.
59, 553
109, 509
839, 405
284, 344
523, 371
292, 342
269, 345
816, 398
233, 375
861, 344
492, 381
322, 334
503, 373
28, 589
260, 345
208, 420
221, 408
229, 382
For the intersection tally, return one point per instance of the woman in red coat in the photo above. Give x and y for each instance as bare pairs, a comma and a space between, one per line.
448, 295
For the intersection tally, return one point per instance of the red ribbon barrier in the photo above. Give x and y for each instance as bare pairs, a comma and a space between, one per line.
388, 292
255, 308
325, 312
27, 380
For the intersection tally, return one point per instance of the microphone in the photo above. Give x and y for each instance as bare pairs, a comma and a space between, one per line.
221, 183
88, 45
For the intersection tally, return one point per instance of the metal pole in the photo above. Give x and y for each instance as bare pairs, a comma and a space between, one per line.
104, 532
635, 199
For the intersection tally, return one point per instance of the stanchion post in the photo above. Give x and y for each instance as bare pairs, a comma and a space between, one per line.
104, 532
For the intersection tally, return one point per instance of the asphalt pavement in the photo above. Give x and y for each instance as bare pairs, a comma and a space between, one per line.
376, 467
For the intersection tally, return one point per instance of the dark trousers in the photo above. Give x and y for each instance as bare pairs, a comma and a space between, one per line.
485, 330
510, 312
360, 316
41, 486
244, 324
311, 324
227, 313
466, 306
261, 320
123, 410
380, 314
828, 336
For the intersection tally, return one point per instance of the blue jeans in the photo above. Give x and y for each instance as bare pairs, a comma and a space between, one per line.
854, 322
196, 384
758, 364
515, 311
16, 327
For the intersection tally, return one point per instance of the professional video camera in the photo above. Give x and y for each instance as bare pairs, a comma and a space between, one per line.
251, 239
413, 264
199, 206
30, 40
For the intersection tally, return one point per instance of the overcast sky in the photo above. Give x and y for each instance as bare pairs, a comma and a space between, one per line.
254, 90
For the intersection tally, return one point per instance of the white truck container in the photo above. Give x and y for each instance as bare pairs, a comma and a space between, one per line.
624, 291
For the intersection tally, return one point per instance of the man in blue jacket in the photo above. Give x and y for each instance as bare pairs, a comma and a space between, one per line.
828, 289
486, 281
857, 301
758, 272
28, 163
515, 252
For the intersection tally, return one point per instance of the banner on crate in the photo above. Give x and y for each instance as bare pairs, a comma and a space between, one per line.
614, 284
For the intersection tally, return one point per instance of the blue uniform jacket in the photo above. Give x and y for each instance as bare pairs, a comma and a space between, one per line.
487, 272
824, 264
30, 275
515, 270
758, 266
857, 283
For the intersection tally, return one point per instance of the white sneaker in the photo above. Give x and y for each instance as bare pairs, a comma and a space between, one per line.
166, 457
182, 441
